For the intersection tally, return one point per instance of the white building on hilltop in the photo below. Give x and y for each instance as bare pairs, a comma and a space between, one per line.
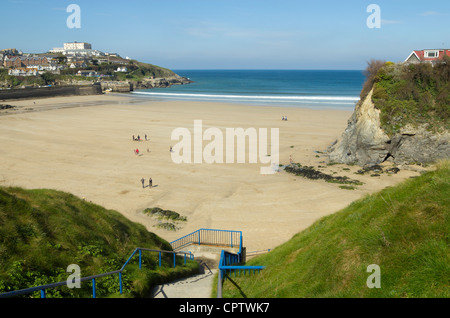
77, 46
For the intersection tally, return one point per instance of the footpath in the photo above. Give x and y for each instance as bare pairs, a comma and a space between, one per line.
197, 286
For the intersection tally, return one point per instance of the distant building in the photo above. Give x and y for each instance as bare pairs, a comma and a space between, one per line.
23, 61
12, 62
78, 64
77, 46
122, 69
429, 56
21, 71
77, 49
87, 73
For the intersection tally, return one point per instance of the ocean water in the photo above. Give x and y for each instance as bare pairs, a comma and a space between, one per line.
285, 88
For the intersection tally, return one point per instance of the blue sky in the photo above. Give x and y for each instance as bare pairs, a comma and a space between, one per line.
229, 34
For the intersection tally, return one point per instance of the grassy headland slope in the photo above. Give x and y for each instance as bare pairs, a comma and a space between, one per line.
414, 94
136, 71
44, 231
404, 229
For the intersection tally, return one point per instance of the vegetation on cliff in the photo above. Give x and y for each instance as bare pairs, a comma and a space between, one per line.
410, 94
402, 229
43, 231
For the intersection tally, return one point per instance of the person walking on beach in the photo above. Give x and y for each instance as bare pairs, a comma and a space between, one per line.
150, 182
143, 182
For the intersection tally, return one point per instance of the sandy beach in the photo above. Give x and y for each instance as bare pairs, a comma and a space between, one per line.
83, 145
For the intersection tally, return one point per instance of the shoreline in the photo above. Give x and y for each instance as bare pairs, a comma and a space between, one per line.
88, 151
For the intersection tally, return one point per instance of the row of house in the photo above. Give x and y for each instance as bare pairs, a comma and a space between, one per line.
24, 61
22, 71
74, 55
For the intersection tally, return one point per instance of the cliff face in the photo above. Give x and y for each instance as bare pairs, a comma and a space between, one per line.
365, 143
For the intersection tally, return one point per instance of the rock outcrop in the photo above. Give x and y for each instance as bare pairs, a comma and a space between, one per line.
160, 82
365, 143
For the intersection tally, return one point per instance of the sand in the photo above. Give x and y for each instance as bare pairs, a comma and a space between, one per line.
83, 145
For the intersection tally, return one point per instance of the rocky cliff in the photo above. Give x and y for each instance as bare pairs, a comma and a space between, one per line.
160, 82
364, 142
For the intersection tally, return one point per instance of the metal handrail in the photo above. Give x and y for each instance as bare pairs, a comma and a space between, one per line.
43, 288
226, 262
210, 237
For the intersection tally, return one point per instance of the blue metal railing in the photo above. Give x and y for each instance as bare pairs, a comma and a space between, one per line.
93, 278
224, 238
228, 260
227, 265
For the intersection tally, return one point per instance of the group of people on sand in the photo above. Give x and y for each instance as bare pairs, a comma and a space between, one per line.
138, 138
150, 182
284, 118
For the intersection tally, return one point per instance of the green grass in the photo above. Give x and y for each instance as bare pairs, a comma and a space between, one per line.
404, 229
413, 95
44, 231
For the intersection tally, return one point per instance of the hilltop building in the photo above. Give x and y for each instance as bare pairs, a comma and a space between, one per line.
428, 55
77, 46
77, 49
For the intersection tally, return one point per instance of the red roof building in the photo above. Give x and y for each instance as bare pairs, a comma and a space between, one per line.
430, 56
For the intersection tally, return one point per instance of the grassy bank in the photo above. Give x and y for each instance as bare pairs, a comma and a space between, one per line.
44, 231
404, 229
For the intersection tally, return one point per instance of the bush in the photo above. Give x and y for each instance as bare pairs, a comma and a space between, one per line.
412, 94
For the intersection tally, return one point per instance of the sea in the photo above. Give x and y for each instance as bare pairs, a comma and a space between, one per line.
318, 89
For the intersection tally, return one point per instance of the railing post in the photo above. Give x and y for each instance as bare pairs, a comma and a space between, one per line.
140, 259
160, 259
120, 282
93, 288
174, 260
42, 293
184, 258
219, 285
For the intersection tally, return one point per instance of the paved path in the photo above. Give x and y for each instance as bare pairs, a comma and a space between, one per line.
198, 286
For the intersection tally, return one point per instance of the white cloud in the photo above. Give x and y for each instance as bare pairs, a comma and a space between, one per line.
390, 21
429, 13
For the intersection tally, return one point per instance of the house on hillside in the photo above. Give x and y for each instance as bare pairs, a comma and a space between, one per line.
78, 64
87, 73
428, 56
123, 69
22, 71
